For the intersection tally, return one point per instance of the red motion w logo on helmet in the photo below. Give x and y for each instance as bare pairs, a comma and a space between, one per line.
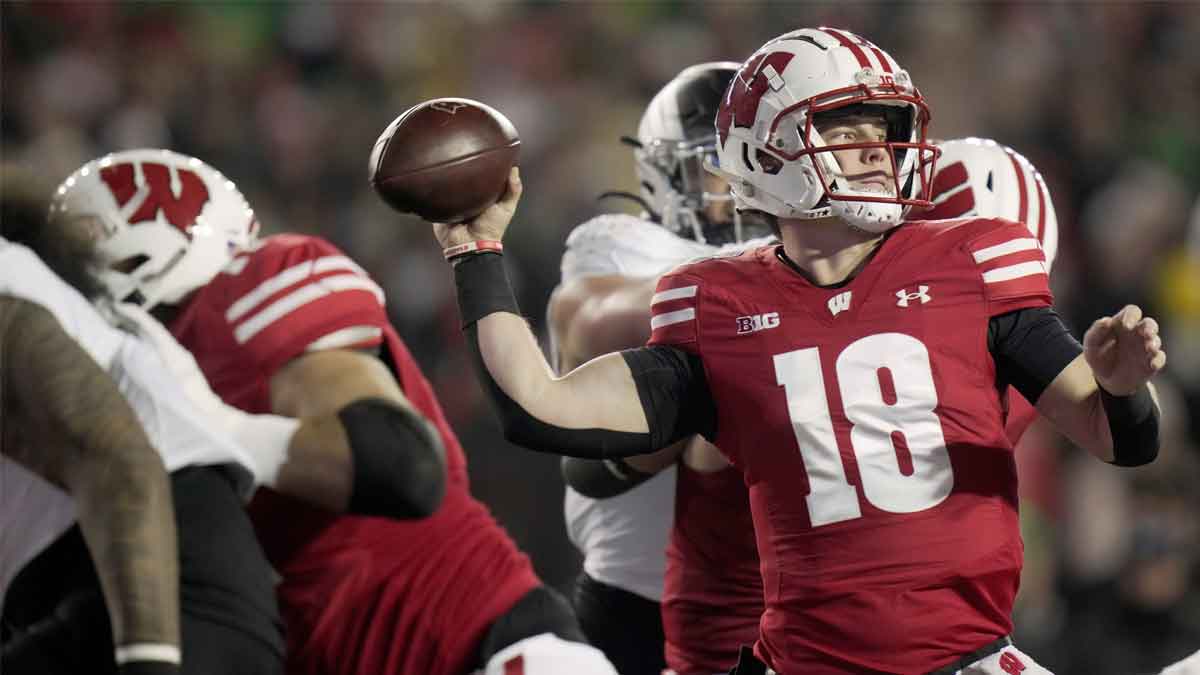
957, 205
740, 106
180, 210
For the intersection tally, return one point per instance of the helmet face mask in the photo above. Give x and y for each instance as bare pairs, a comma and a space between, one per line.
684, 196
164, 224
676, 139
777, 162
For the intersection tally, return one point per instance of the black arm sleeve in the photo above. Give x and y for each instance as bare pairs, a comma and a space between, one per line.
601, 478
670, 383
667, 379
399, 460
1030, 347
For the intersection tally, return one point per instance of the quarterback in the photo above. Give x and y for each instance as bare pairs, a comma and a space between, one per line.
871, 438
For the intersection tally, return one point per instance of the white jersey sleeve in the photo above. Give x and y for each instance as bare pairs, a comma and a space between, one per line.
177, 427
625, 245
33, 513
24, 275
261, 440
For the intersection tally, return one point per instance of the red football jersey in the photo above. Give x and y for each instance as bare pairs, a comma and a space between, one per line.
360, 595
868, 425
712, 595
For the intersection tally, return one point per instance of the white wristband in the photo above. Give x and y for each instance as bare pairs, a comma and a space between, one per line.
148, 651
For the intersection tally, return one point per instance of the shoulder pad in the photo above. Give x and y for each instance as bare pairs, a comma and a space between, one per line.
625, 245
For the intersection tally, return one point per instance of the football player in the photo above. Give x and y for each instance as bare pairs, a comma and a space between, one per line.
714, 597
855, 373
617, 514
70, 380
290, 325
97, 467
228, 586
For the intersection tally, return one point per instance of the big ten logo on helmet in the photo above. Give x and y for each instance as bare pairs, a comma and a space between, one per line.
757, 322
179, 205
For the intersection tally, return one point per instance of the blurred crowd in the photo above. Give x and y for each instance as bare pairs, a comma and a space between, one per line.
287, 100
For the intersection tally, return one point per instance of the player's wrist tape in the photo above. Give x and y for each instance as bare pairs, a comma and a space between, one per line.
148, 658
483, 288
399, 460
479, 246
1133, 423
148, 651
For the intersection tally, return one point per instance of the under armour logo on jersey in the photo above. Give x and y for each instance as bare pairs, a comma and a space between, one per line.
448, 107
839, 303
1010, 664
904, 297
757, 322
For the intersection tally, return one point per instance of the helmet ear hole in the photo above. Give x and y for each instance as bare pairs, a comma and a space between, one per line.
128, 265
770, 163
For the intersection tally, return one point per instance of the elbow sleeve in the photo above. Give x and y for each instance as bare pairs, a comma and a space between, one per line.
527, 431
601, 479
399, 460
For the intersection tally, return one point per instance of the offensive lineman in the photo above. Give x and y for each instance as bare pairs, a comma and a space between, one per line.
228, 590
291, 326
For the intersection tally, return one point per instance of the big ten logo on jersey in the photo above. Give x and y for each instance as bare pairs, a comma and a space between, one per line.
178, 195
757, 322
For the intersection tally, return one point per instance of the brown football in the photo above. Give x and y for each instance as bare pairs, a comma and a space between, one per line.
445, 160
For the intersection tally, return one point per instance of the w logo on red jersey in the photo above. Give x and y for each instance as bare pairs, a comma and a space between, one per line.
155, 194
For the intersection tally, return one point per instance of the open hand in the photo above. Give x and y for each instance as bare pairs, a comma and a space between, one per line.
490, 224
1124, 350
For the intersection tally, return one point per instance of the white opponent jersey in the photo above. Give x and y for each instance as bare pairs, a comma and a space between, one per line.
33, 513
624, 538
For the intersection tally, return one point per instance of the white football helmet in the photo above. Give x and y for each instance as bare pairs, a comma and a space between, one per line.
769, 149
981, 178
165, 223
675, 138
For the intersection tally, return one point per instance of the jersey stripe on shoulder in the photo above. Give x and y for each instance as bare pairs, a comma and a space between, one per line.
674, 294
673, 311
1010, 246
301, 296
288, 277
1010, 262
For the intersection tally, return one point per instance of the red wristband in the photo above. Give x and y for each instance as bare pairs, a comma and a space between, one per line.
479, 246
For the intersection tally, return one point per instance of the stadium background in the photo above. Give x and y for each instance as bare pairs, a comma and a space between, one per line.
287, 100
